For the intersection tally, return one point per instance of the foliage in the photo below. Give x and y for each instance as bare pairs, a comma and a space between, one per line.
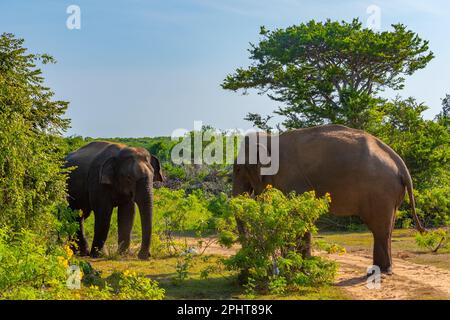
434, 240
423, 144
27, 268
274, 226
32, 184
32, 269
131, 286
184, 263
433, 206
177, 212
330, 248
444, 116
329, 72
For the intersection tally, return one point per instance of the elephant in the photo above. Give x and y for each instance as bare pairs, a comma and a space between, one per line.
107, 175
363, 176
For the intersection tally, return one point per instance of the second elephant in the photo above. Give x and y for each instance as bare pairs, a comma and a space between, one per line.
364, 177
108, 175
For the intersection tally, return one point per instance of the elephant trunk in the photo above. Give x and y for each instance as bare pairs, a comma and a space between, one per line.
144, 200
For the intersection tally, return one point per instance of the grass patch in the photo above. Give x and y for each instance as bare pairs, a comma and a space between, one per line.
220, 284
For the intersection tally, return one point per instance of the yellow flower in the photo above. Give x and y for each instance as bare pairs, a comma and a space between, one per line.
62, 261
269, 186
69, 251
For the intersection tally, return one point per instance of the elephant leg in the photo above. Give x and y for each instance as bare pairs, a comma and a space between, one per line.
382, 252
101, 229
304, 247
125, 222
83, 247
382, 234
78, 242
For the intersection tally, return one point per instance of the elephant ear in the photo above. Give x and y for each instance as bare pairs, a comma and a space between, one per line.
107, 171
157, 171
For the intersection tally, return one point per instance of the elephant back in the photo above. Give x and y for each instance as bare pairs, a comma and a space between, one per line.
83, 161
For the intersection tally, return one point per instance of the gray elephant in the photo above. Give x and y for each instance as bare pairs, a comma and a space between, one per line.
109, 175
363, 175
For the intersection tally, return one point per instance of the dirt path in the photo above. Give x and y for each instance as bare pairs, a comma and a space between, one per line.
410, 280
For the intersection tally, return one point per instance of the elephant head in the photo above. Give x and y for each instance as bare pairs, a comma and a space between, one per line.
254, 157
131, 174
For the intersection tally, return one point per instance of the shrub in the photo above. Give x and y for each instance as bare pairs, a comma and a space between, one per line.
433, 240
132, 286
330, 248
176, 212
184, 263
29, 269
432, 205
32, 269
274, 224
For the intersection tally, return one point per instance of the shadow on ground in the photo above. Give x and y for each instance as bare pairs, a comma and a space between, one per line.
352, 282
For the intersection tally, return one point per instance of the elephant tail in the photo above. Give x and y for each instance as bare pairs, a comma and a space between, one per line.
409, 187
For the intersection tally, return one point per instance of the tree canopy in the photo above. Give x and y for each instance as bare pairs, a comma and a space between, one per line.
32, 182
329, 72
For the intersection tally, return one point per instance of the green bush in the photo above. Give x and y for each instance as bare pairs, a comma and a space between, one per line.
179, 213
330, 248
28, 267
434, 240
132, 286
274, 223
433, 208
32, 269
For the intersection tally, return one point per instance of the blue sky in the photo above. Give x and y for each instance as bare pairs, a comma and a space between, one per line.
144, 68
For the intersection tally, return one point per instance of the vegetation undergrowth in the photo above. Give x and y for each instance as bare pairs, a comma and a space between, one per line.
270, 259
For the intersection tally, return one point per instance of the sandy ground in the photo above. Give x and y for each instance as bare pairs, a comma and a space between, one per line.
409, 281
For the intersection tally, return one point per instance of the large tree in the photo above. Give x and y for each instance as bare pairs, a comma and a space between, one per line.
32, 183
329, 72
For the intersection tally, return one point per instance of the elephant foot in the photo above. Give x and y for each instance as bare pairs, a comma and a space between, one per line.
80, 249
144, 255
123, 250
84, 252
387, 271
384, 272
95, 253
